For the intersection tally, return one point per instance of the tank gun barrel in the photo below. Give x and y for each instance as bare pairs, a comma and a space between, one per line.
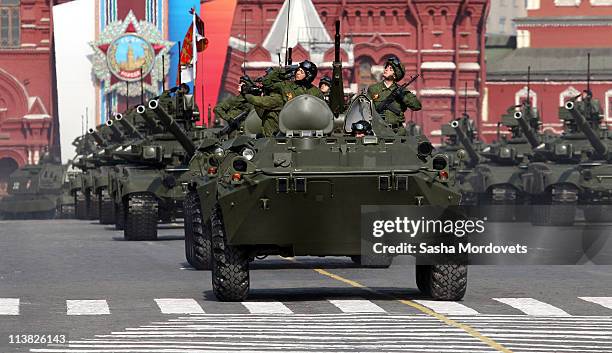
142, 110
128, 126
591, 135
96, 136
474, 157
118, 136
170, 124
529, 133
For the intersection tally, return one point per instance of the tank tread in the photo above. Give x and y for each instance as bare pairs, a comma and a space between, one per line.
442, 282
119, 215
197, 234
81, 208
230, 271
107, 208
141, 217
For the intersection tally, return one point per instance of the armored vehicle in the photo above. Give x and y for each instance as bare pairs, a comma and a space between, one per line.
559, 184
286, 195
496, 180
34, 191
152, 185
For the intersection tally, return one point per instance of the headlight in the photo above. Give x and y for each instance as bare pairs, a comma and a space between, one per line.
248, 153
149, 152
219, 152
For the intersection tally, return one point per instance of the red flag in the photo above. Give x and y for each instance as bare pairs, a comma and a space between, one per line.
194, 41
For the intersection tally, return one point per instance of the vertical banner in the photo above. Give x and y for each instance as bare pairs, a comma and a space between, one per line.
76, 93
218, 16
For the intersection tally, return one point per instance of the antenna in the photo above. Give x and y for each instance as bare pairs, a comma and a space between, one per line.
465, 100
209, 122
287, 38
588, 71
82, 124
163, 72
86, 118
127, 95
528, 85
141, 87
180, 48
289, 59
279, 59
245, 45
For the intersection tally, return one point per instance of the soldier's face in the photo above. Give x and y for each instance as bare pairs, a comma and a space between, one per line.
300, 74
324, 88
388, 73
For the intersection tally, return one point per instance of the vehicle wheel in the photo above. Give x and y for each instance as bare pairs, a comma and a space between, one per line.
119, 215
563, 214
372, 261
106, 207
93, 212
443, 282
598, 213
141, 217
230, 270
501, 212
423, 278
197, 234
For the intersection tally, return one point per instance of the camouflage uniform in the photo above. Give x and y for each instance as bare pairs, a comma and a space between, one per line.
231, 107
394, 114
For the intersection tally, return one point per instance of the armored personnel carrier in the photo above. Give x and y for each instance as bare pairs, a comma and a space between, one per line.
34, 191
269, 191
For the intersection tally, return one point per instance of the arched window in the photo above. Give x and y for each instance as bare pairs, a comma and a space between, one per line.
365, 75
9, 23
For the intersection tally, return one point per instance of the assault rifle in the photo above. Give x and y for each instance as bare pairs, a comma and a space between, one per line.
398, 92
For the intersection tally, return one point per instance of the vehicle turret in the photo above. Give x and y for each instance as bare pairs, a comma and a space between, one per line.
171, 125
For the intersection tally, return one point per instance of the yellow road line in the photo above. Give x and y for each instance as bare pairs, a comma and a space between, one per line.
468, 329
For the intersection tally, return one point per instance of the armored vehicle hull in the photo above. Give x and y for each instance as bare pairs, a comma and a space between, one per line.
301, 194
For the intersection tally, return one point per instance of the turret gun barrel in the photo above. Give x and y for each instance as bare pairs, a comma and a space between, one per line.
118, 136
142, 110
529, 133
128, 126
467, 144
96, 136
170, 124
600, 148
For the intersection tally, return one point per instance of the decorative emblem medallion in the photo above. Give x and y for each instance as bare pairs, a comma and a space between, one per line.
125, 50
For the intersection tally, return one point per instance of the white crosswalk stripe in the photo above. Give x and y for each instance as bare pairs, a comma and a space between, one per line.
357, 306
532, 306
9, 306
267, 308
447, 308
179, 306
87, 307
603, 301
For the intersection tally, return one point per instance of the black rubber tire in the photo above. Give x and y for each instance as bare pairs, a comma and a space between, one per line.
119, 215
423, 278
563, 214
497, 212
106, 207
371, 261
598, 213
447, 282
230, 270
141, 217
198, 251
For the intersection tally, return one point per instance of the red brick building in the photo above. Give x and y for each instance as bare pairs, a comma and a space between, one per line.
554, 39
443, 41
26, 95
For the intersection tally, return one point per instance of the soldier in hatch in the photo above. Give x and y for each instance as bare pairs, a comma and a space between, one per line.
404, 99
278, 91
325, 87
590, 107
233, 106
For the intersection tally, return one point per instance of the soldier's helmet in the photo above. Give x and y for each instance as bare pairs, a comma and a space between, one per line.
325, 81
310, 69
397, 67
